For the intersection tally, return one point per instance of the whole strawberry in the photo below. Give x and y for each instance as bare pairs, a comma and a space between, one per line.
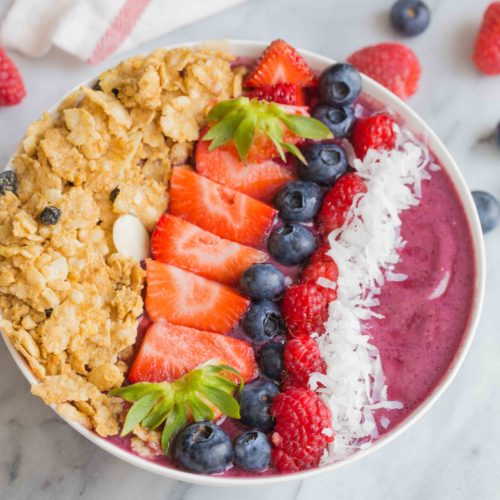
11, 84
487, 48
393, 65
375, 132
305, 309
302, 431
301, 358
338, 201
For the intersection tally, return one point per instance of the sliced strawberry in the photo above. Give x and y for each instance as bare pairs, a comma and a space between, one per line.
219, 209
169, 352
260, 180
183, 298
280, 63
182, 244
282, 93
262, 148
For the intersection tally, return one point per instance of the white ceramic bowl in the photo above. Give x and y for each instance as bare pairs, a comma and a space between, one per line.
253, 49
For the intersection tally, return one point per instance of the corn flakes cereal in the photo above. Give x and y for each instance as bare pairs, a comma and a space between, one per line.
69, 302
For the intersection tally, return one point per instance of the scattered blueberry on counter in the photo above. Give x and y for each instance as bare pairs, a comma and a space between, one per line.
326, 162
8, 182
252, 451
255, 404
339, 84
339, 119
203, 447
410, 17
270, 359
262, 281
299, 201
291, 244
50, 216
488, 210
263, 321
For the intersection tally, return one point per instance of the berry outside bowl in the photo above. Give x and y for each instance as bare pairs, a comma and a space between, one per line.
252, 49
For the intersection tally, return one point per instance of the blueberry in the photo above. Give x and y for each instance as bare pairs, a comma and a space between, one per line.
114, 194
299, 201
8, 181
339, 119
252, 451
340, 84
270, 358
262, 281
255, 401
263, 321
410, 17
203, 447
291, 244
488, 210
326, 162
50, 216
496, 134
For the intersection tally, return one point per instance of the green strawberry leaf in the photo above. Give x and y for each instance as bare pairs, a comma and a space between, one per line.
176, 420
135, 392
241, 119
158, 414
222, 400
168, 403
139, 410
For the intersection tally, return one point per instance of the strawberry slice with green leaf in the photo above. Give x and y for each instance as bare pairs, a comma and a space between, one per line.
280, 63
182, 244
183, 298
260, 180
199, 395
261, 130
219, 209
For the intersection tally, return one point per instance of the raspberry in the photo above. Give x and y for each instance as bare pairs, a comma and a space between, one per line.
301, 358
11, 84
375, 132
303, 429
282, 93
338, 201
321, 266
305, 309
393, 65
487, 48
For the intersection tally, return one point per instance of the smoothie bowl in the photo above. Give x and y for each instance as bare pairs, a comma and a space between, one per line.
234, 264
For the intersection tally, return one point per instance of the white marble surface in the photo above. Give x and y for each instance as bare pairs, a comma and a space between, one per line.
451, 453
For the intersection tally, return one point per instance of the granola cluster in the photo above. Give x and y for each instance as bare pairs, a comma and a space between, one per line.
69, 301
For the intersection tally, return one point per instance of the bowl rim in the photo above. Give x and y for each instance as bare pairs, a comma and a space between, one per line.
252, 48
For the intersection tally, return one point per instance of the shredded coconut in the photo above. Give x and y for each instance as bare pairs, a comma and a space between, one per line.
366, 252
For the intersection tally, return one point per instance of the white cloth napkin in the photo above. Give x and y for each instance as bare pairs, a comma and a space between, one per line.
92, 30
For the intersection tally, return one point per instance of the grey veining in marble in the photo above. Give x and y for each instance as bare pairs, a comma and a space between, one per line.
453, 452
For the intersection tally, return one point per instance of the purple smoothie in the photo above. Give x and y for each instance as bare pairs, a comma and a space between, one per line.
419, 336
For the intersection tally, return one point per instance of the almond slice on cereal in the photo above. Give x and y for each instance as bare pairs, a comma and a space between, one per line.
130, 237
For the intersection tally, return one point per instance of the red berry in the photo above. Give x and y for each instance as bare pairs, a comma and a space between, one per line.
375, 132
303, 429
305, 309
301, 358
393, 65
321, 266
487, 48
11, 84
282, 93
280, 63
338, 201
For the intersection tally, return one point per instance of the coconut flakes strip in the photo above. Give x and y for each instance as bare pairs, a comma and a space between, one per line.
366, 252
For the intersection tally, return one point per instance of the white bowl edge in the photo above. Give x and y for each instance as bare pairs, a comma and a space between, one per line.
249, 48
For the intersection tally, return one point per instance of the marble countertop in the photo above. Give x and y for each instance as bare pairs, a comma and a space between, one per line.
452, 452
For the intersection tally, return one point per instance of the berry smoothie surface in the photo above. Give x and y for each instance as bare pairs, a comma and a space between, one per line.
426, 316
